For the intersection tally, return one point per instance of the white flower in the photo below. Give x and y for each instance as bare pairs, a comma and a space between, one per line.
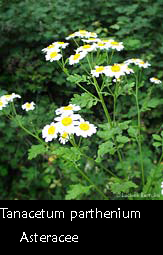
10, 97
67, 110
50, 132
116, 45
73, 59
155, 80
99, 70
102, 46
86, 48
62, 45
64, 137
85, 129
53, 55
71, 36
92, 34
3, 103
49, 48
116, 70
83, 33
89, 40
143, 64
28, 106
138, 62
66, 123
132, 61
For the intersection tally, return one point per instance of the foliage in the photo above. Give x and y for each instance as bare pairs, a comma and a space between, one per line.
28, 26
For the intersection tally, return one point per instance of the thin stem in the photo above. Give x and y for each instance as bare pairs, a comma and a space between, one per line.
20, 124
111, 56
139, 131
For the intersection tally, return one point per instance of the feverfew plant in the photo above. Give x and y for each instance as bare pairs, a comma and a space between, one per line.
104, 81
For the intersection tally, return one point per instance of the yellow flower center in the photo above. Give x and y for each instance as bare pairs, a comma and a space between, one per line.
51, 46
114, 43
99, 69
1, 103
91, 39
28, 105
142, 63
69, 107
51, 130
72, 34
7, 96
76, 56
155, 78
66, 121
84, 126
115, 68
64, 135
60, 42
101, 44
53, 54
93, 34
87, 46
105, 41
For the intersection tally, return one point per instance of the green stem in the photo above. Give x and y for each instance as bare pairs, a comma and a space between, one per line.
139, 131
89, 180
111, 56
20, 124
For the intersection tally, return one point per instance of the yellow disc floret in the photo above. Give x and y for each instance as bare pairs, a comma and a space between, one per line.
51, 130
84, 126
64, 135
115, 68
66, 121
53, 54
76, 56
99, 69
87, 46
28, 105
69, 108
115, 43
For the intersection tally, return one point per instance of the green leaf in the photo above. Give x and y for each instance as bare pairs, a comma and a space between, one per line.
104, 148
157, 137
77, 190
36, 150
156, 144
77, 78
122, 139
123, 186
132, 132
84, 100
70, 154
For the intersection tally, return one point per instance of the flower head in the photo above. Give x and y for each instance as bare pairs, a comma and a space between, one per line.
85, 129
10, 97
91, 39
28, 106
143, 64
62, 45
86, 48
64, 137
50, 132
115, 70
53, 55
116, 45
73, 59
66, 123
3, 103
98, 70
67, 110
138, 62
83, 33
155, 80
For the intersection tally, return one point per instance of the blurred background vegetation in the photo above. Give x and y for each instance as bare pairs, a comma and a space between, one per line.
28, 26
